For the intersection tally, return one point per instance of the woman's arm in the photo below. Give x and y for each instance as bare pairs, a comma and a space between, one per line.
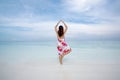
56, 26
65, 27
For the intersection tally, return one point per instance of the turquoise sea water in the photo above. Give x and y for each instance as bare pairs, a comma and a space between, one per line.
82, 52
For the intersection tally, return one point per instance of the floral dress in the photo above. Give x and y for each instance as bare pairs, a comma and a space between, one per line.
62, 47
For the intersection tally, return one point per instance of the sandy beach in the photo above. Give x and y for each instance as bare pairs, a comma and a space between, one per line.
55, 71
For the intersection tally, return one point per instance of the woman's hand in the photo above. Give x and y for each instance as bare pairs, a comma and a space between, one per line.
62, 21
59, 21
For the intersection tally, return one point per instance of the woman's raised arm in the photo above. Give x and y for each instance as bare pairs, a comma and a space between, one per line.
56, 26
65, 26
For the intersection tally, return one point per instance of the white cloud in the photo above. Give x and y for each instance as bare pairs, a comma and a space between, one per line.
42, 23
38, 28
81, 5
93, 29
100, 11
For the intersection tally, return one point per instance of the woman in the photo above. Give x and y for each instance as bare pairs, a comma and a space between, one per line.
62, 46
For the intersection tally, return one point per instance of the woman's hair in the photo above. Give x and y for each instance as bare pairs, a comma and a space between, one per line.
61, 31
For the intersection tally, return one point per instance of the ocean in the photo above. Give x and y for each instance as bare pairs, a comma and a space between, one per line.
107, 52
89, 60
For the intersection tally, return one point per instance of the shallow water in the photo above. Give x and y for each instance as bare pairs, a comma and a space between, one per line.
82, 52
89, 60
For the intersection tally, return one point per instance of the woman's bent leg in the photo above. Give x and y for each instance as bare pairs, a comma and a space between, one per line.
68, 52
60, 58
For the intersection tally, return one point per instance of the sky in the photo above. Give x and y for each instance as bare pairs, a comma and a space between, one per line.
34, 20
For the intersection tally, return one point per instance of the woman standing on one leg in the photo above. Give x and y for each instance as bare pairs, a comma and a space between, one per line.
63, 47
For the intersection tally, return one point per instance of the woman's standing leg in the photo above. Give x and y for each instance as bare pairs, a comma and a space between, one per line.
60, 58
63, 54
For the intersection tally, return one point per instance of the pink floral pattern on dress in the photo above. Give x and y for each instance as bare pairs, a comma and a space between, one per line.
62, 47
